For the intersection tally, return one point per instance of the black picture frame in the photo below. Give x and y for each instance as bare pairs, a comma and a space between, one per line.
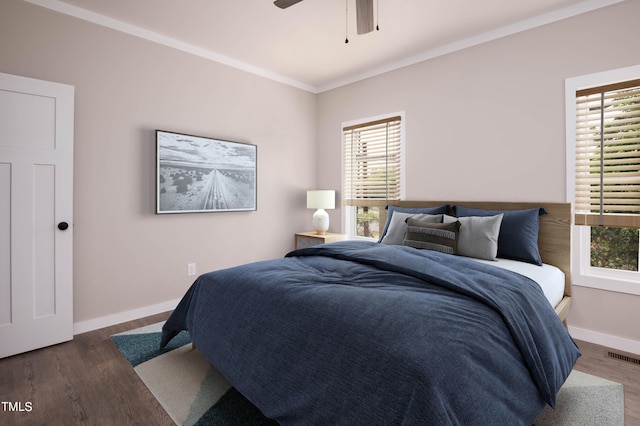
198, 174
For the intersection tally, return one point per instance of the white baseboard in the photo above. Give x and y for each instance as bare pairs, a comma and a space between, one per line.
613, 342
109, 320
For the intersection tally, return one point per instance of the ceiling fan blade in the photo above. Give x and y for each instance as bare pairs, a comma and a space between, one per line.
283, 4
364, 16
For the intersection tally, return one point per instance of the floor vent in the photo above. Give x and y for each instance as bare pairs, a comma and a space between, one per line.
623, 357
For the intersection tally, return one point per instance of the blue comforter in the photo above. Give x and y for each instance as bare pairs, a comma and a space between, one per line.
363, 333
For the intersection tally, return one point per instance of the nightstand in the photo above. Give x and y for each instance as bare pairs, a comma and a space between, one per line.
308, 239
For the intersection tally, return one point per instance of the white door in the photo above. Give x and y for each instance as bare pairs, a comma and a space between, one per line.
36, 201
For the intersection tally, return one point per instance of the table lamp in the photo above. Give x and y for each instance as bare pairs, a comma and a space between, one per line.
321, 199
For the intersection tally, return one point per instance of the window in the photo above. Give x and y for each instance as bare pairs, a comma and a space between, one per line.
372, 172
606, 181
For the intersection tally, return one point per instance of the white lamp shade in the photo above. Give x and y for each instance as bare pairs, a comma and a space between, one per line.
321, 199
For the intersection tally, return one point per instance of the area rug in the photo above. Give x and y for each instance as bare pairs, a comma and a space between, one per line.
586, 400
193, 392
187, 386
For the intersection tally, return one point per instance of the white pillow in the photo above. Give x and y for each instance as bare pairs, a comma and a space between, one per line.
478, 235
398, 225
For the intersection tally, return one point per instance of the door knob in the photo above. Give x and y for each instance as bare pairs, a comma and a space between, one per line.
63, 225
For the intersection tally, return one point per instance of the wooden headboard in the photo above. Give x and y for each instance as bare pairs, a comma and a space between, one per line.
554, 237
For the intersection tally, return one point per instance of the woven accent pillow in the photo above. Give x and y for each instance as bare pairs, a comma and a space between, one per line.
442, 237
398, 225
413, 210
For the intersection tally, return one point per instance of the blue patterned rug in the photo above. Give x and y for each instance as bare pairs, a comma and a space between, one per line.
189, 388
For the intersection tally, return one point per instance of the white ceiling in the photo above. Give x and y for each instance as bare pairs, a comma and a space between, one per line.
304, 45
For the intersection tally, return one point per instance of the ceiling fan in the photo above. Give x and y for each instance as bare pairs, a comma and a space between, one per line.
364, 13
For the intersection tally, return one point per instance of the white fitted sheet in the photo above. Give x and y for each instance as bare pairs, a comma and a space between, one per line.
548, 277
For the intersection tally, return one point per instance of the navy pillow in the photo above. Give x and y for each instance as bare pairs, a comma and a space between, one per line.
518, 239
413, 210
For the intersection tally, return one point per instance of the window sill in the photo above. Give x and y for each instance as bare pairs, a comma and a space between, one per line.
608, 283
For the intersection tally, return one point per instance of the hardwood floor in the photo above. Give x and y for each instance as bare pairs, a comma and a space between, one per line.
88, 382
83, 382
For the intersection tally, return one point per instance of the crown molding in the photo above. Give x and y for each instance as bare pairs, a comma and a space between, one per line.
544, 19
105, 21
527, 24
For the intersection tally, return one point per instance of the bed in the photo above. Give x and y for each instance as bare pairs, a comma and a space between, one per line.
360, 332
554, 236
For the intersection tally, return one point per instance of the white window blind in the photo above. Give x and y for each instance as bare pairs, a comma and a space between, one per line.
372, 162
607, 186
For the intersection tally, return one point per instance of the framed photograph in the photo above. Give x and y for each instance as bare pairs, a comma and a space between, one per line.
196, 174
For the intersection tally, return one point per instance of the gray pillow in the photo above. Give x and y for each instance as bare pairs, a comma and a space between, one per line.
478, 235
442, 237
398, 226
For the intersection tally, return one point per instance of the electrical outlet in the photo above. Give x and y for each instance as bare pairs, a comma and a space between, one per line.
191, 269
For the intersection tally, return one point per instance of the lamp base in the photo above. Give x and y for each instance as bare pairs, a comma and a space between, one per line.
320, 221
